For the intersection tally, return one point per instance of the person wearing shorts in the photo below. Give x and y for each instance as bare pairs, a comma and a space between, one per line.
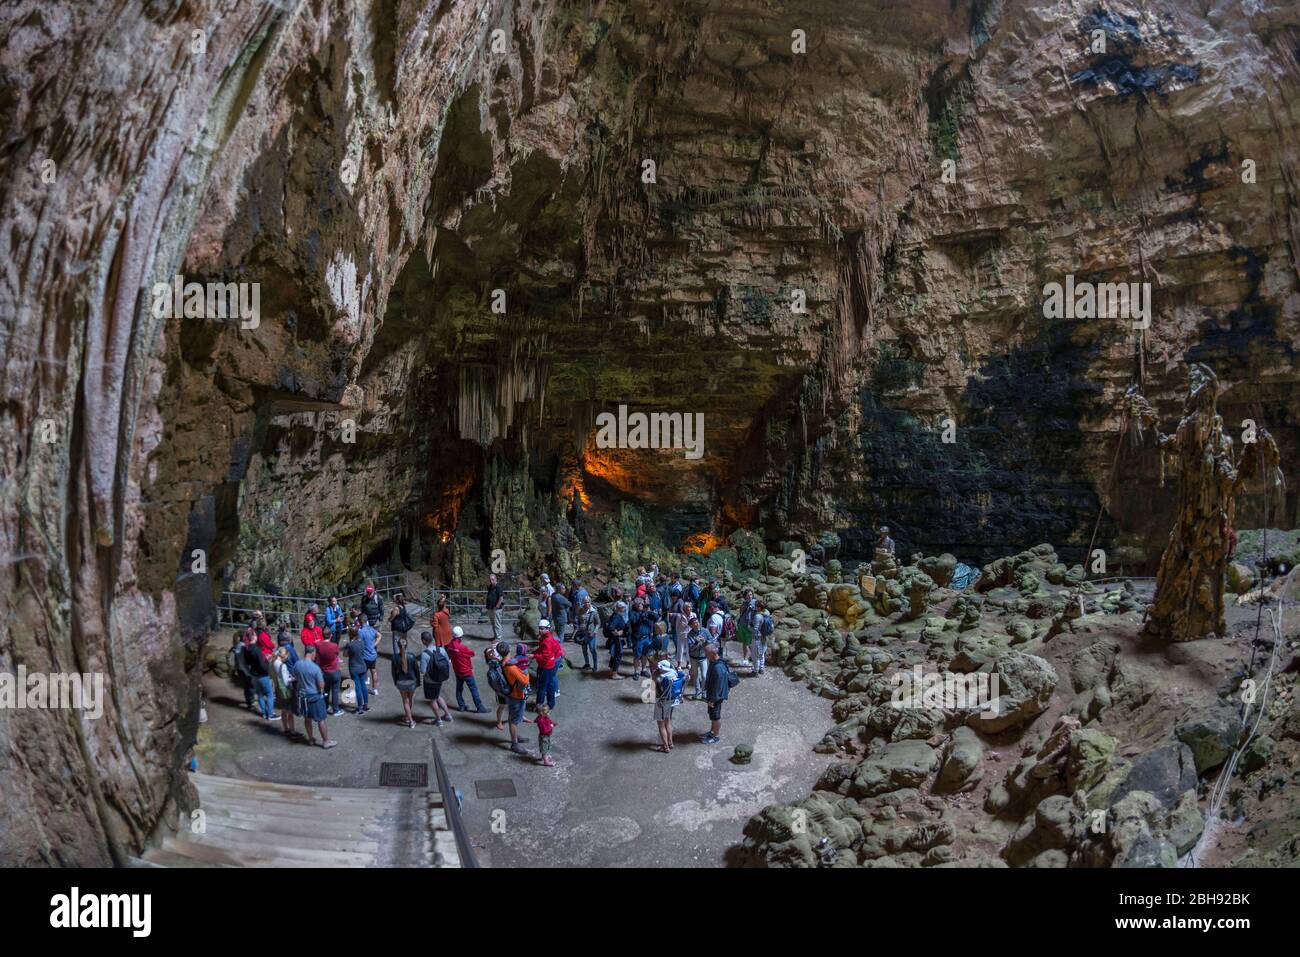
310, 704
665, 675
518, 679
717, 686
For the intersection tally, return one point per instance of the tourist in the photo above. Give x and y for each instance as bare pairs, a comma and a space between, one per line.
548, 656
668, 695
544, 593
697, 640
327, 658
679, 621
495, 655
441, 621
588, 627
641, 621
745, 624
399, 619
496, 600
372, 606
717, 687
310, 681
615, 633
335, 617
311, 632
240, 673
357, 668
284, 639
545, 727
265, 643
579, 595
517, 681
763, 628
883, 542
463, 668
435, 668
281, 670
406, 675
560, 612
370, 639
665, 599
259, 668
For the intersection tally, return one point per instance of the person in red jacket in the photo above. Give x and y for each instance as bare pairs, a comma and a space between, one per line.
463, 668
548, 656
311, 632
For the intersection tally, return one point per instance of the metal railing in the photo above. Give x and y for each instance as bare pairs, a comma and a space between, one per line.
468, 604
451, 807
237, 607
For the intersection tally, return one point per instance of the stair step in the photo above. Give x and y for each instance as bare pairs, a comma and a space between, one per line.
259, 848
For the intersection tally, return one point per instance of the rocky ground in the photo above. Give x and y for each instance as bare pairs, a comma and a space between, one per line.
1106, 748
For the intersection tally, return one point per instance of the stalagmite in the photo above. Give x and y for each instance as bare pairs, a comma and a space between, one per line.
1190, 581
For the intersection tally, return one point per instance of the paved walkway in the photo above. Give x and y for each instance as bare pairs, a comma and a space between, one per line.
610, 801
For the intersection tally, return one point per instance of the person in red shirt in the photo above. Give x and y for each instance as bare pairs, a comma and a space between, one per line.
463, 668
327, 657
311, 632
548, 656
441, 621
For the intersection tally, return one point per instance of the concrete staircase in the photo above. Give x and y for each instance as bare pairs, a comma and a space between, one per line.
262, 824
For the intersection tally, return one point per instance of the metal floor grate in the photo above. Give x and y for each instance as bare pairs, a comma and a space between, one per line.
403, 775
495, 788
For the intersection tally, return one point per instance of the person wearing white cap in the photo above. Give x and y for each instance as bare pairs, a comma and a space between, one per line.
462, 666
668, 694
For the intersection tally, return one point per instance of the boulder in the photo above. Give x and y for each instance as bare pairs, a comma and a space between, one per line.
940, 568
1091, 752
900, 764
1240, 578
961, 760
1165, 773
1025, 686
1211, 733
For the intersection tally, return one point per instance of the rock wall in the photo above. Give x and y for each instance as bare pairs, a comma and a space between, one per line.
381, 169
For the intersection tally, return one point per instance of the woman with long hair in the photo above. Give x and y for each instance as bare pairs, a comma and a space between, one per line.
406, 675
284, 689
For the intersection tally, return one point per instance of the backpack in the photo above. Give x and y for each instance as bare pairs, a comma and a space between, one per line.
729, 630
732, 678
765, 625
403, 622
497, 679
679, 682
439, 666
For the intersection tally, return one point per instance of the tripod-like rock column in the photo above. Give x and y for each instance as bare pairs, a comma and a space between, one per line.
1190, 581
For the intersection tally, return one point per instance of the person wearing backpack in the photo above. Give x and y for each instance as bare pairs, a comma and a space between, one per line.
717, 688
335, 617
763, 628
495, 655
516, 675
668, 695
373, 606
399, 619
435, 666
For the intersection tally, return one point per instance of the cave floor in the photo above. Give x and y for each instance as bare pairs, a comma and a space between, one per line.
610, 800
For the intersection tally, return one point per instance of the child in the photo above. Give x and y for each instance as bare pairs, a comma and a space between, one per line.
544, 728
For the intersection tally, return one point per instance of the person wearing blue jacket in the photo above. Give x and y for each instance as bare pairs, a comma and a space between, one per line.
717, 687
642, 622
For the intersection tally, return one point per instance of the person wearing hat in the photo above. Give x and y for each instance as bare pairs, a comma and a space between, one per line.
666, 680
373, 606
548, 656
463, 668
544, 592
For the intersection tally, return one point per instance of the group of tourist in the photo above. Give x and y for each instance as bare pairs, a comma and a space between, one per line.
691, 617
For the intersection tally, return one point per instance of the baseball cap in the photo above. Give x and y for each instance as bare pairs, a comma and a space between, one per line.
458, 632
543, 624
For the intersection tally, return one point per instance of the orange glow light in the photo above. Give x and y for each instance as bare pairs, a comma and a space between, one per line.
701, 543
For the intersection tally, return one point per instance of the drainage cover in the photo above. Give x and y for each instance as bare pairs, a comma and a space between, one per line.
403, 775
495, 788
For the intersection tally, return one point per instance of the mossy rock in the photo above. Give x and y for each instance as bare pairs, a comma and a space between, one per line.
743, 754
